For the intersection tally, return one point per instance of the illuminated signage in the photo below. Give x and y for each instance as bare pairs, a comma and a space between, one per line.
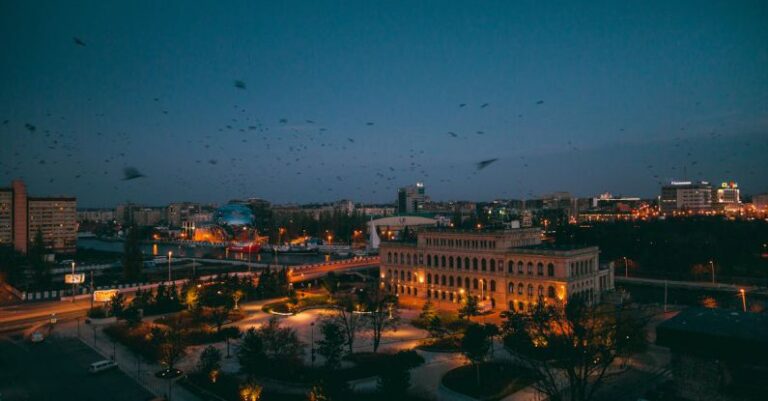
104, 295
74, 278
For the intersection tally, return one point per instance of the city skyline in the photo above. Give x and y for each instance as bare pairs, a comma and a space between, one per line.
311, 103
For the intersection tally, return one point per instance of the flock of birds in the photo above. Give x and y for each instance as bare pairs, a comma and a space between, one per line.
288, 146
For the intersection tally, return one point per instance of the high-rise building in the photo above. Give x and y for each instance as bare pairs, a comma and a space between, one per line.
411, 199
22, 217
178, 213
685, 195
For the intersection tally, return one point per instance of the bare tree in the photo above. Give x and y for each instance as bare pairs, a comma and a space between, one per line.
350, 321
381, 311
571, 347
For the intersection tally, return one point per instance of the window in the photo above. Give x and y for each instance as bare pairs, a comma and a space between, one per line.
402, 259
458, 263
402, 275
540, 292
482, 264
474, 283
450, 262
408, 259
530, 290
511, 267
511, 288
415, 291
442, 261
520, 267
493, 285
493, 265
395, 254
429, 260
530, 268
550, 270
450, 281
551, 292
389, 257
442, 279
520, 289
474, 264
540, 269
466, 263
429, 278
409, 276
466, 282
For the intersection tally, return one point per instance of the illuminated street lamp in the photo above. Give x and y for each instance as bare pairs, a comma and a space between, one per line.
170, 254
712, 265
743, 299
626, 267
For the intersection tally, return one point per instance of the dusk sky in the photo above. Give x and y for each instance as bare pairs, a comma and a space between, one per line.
354, 99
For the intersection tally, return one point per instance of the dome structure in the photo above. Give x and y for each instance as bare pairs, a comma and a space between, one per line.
233, 214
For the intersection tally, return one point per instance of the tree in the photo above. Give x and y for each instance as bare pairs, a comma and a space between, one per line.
350, 321
381, 311
330, 283
251, 355
172, 346
210, 360
116, 305
427, 312
133, 259
250, 392
571, 347
436, 328
41, 268
475, 346
218, 303
331, 346
470, 308
395, 379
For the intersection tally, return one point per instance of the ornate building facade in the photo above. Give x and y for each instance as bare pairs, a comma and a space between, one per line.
509, 269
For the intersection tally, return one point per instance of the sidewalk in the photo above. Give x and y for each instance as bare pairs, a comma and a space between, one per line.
128, 363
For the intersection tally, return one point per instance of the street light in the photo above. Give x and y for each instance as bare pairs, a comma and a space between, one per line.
712, 265
170, 254
312, 325
626, 268
743, 299
73, 281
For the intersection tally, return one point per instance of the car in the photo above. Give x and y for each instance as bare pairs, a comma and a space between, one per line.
101, 366
37, 337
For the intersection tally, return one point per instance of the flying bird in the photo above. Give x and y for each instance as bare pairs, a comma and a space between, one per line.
485, 163
131, 173
484, 105
369, 123
453, 134
540, 102
462, 105
239, 84
78, 41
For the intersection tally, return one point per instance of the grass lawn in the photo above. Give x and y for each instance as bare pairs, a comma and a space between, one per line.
497, 380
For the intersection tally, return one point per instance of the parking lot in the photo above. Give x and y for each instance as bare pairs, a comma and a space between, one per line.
57, 369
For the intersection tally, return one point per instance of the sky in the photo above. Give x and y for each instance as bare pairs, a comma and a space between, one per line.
314, 101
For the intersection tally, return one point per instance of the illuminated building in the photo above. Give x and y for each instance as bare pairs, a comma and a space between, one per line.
503, 269
728, 193
22, 217
411, 199
685, 196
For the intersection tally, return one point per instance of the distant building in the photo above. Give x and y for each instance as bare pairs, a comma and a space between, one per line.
22, 217
685, 196
178, 213
504, 269
132, 214
728, 193
759, 201
95, 215
411, 199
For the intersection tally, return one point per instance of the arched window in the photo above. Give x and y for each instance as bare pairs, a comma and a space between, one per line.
450, 262
442, 279
530, 290
474, 264
442, 261
474, 283
520, 287
450, 281
429, 260
530, 268
550, 292
520, 267
540, 292
429, 293
493, 285
402, 258
511, 288
408, 259
482, 264
511, 267
402, 275
458, 263
415, 291
409, 276
466, 282
540, 269
389, 257
466, 263
458, 281
550, 270
396, 260
429, 278
493, 265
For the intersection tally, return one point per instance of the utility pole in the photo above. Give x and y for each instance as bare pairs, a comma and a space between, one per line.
73, 282
665, 296
92, 289
712, 265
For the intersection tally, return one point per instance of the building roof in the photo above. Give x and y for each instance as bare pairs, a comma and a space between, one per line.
717, 333
52, 198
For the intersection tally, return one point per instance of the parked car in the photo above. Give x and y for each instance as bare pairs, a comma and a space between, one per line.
101, 366
37, 337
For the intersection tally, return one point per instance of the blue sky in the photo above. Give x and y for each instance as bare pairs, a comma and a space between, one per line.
591, 97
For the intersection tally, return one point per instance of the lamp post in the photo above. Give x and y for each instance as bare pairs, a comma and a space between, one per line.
743, 299
73, 282
170, 254
312, 328
712, 265
626, 267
